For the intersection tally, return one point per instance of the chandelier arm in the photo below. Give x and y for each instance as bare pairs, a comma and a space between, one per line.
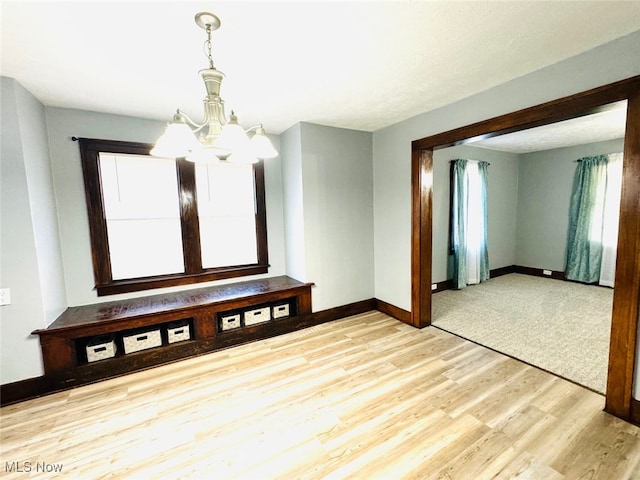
255, 127
196, 126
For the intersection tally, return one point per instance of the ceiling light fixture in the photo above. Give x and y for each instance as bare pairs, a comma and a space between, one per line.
221, 139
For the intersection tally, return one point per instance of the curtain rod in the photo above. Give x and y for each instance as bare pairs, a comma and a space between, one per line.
468, 159
601, 154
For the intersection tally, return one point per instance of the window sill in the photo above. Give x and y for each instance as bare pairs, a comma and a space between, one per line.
135, 285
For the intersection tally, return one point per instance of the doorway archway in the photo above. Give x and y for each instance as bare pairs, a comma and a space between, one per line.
626, 300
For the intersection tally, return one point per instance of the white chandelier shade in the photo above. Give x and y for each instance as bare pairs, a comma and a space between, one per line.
177, 140
218, 139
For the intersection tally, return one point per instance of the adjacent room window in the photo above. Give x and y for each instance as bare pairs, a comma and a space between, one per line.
469, 226
157, 222
593, 220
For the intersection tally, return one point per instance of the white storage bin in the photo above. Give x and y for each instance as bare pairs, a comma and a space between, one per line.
142, 340
280, 311
178, 332
100, 348
258, 315
228, 322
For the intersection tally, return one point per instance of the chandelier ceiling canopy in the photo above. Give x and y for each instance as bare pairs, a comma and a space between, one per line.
218, 138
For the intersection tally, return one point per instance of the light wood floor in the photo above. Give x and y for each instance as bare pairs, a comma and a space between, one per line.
364, 397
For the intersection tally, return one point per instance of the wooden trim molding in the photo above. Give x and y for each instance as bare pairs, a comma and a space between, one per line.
635, 412
336, 313
500, 271
194, 272
622, 356
21, 390
626, 294
566, 108
442, 286
393, 311
448, 284
38, 386
539, 272
421, 239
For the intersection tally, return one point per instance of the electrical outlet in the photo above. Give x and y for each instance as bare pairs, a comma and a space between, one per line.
546, 272
434, 286
5, 296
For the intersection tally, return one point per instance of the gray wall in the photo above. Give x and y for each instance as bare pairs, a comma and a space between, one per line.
614, 61
46, 253
544, 193
392, 146
292, 188
330, 170
326, 183
328, 225
502, 192
30, 263
528, 204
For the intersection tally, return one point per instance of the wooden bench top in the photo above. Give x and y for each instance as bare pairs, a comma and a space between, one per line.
85, 315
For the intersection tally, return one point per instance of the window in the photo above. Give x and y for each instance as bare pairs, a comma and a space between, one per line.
594, 214
158, 222
138, 218
226, 203
469, 226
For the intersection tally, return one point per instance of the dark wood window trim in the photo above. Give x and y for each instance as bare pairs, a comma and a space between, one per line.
626, 299
194, 273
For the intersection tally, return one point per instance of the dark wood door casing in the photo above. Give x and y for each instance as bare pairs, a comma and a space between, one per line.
624, 328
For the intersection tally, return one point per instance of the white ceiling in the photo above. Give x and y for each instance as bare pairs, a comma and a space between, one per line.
359, 65
597, 127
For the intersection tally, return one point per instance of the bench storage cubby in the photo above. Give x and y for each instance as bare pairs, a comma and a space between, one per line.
103, 340
100, 348
178, 331
141, 340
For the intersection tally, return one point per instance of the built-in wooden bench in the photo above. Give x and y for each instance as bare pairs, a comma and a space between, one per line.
201, 313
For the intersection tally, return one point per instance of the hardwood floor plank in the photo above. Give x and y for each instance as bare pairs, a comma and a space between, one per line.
525, 467
474, 390
483, 459
364, 456
363, 397
511, 396
595, 451
417, 452
433, 465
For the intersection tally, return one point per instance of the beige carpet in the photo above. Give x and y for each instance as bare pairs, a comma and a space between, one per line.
559, 326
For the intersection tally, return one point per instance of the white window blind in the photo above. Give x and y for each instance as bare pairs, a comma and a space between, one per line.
227, 215
140, 196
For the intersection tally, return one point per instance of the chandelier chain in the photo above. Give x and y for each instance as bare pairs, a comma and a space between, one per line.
207, 46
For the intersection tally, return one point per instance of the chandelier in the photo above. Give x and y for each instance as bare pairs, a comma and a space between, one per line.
218, 138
